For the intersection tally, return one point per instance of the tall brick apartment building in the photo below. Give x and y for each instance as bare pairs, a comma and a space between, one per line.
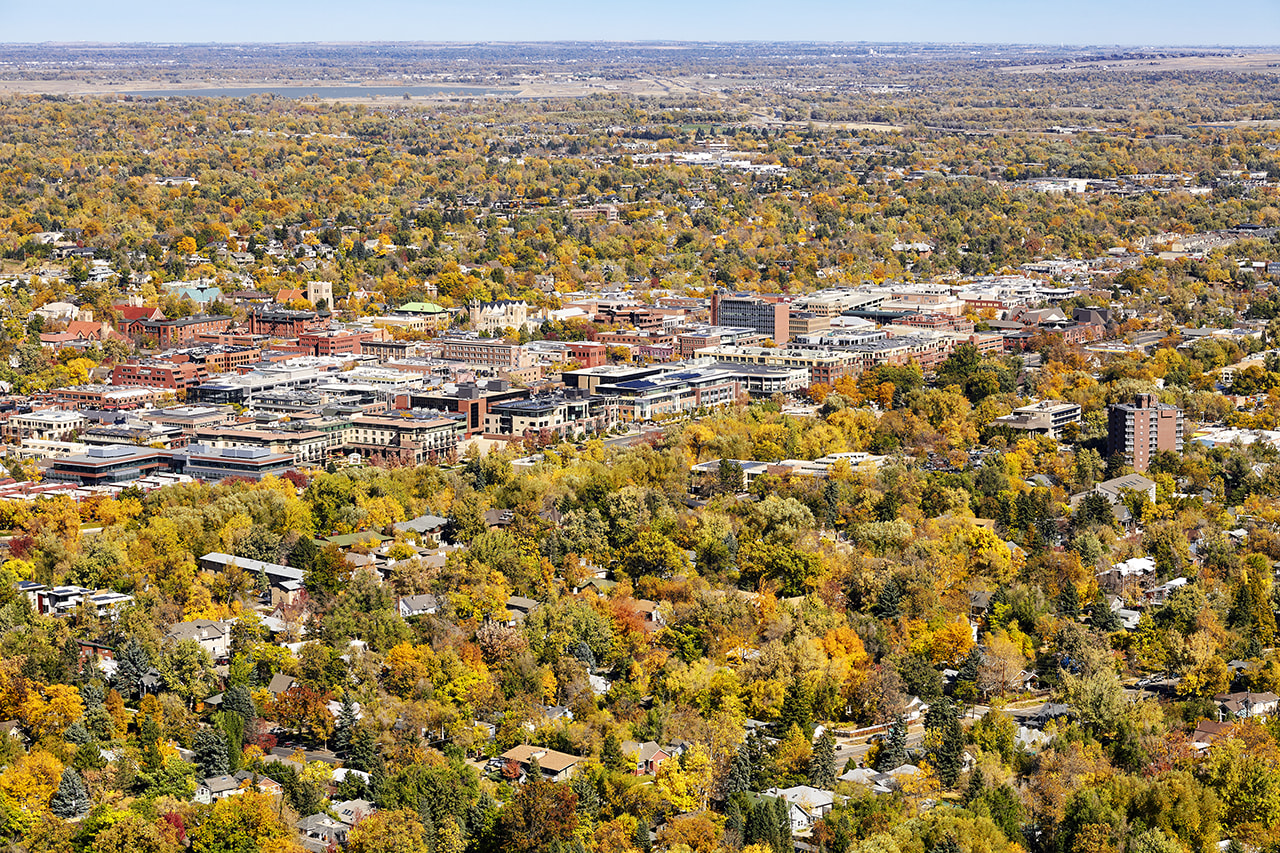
1141, 428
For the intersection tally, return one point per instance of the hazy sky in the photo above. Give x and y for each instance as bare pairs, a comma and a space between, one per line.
1091, 22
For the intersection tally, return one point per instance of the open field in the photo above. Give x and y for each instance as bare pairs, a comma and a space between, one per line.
1238, 63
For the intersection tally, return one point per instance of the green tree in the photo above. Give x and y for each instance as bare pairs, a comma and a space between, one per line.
894, 751
822, 770
72, 797
211, 753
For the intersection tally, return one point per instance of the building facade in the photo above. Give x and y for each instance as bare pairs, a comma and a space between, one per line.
1140, 429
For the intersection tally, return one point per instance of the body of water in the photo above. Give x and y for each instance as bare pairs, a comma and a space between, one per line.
320, 91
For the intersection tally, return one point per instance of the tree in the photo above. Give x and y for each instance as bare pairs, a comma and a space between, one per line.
238, 700
640, 838
329, 572
345, 729
211, 753
1104, 618
730, 477
394, 831
363, 755
611, 754
134, 663
540, 816
797, 709
822, 770
888, 603
738, 779
72, 797
187, 669
894, 752
243, 824
947, 752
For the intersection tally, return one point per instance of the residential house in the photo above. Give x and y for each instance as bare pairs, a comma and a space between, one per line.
807, 804
216, 788
556, 766
214, 637
648, 755
1246, 704
321, 833
417, 605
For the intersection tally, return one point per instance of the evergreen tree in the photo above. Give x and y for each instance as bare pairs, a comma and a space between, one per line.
948, 755
72, 797
759, 753
364, 750
1104, 618
797, 709
1069, 601
966, 684
239, 701
641, 838
761, 826
303, 554
888, 604
735, 819
894, 752
481, 818
134, 663
946, 845
232, 726
977, 786
211, 753
345, 729
782, 826
822, 770
738, 779
611, 754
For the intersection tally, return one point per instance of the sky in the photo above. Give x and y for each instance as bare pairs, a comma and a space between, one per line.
1079, 22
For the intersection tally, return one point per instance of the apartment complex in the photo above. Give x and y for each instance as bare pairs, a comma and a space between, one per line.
1141, 428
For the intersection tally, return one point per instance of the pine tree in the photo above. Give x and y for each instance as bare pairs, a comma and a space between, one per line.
344, 731
134, 663
797, 709
782, 826
611, 754
894, 752
966, 684
822, 770
977, 786
641, 839
303, 554
211, 753
1104, 618
948, 756
239, 701
364, 750
1069, 601
889, 603
72, 797
232, 726
738, 779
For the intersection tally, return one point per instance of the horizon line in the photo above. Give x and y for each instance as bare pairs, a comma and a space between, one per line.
464, 42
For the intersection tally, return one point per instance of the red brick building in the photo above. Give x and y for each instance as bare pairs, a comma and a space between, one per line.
587, 353
181, 332
159, 374
279, 323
